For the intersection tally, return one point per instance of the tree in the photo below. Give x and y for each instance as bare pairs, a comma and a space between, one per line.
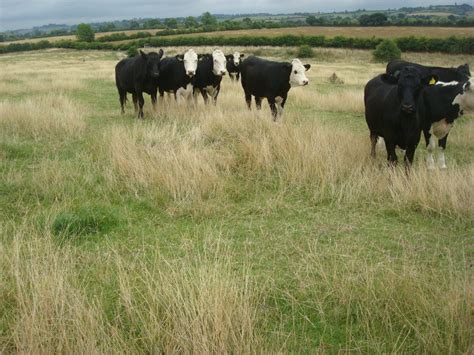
208, 21
152, 23
134, 24
311, 20
376, 19
84, 33
190, 22
171, 23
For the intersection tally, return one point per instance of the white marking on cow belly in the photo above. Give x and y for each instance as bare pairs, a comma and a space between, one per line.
450, 83
279, 107
210, 90
440, 128
185, 93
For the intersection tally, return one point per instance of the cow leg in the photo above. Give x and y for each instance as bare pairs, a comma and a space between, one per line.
248, 100
215, 94
373, 143
258, 102
430, 147
123, 99
409, 155
204, 96
135, 102
271, 102
153, 101
391, 154
141, 102
442, 147
280, 104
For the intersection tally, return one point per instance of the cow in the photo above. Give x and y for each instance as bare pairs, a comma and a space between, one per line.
233, 65
444, 103
210, 69
271, 80
460, 74
392, 111
138, 75
177, 75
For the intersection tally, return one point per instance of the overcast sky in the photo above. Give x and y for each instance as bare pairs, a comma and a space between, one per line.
15, 14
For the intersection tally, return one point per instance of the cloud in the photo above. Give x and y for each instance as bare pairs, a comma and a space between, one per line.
16, 14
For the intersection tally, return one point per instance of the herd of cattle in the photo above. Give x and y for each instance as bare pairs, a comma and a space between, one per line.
406, 100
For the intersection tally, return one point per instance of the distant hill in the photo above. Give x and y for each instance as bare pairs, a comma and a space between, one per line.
441, 15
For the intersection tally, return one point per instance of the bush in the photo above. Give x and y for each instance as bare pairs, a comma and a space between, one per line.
84, 33
386, 51
305, 51
132, 51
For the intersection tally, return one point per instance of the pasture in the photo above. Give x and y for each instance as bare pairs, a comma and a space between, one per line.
212, 229
357, 32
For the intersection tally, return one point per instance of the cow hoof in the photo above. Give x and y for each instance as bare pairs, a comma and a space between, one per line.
443, 167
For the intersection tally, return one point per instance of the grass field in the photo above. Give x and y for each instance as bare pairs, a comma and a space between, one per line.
383, 32
214, 230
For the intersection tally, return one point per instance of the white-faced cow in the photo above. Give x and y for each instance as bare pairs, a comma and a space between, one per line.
271, 80
444, 103
177, 75
138, 75
233, 65
392, 104
210, 69
460, 74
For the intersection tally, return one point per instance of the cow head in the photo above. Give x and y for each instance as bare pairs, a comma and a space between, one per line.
297, 74
465, 99
152, 61
237, 58
464, 70
409, 83
190, 59
218, 63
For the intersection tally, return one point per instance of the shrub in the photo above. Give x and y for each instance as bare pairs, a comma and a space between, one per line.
84, 33
386, 51
132, 51
305, 51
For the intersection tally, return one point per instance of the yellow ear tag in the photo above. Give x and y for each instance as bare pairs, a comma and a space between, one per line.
432, 81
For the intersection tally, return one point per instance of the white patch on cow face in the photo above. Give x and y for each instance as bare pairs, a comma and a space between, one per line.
466, 99
219, 63
190, 62
298, 76
440, 128
236, 58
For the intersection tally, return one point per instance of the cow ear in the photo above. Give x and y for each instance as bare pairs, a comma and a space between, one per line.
180, 57
160, 53
389, 79
200, 57
242, 55
307, 66
143, 54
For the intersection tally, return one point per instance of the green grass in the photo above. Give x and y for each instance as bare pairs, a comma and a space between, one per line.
261, 261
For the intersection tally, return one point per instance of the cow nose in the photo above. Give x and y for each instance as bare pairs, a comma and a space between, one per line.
223, 72
190, 73
407, 108
305, 82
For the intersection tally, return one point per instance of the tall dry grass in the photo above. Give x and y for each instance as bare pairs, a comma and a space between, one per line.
48, 117
197, 304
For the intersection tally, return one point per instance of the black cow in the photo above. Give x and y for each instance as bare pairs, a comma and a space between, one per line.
271, 80
444, 103
138, 75
173, 78
460, 73
233, 65
392, 111
210, 69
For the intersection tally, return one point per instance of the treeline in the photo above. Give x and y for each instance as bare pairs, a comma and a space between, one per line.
463, 45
